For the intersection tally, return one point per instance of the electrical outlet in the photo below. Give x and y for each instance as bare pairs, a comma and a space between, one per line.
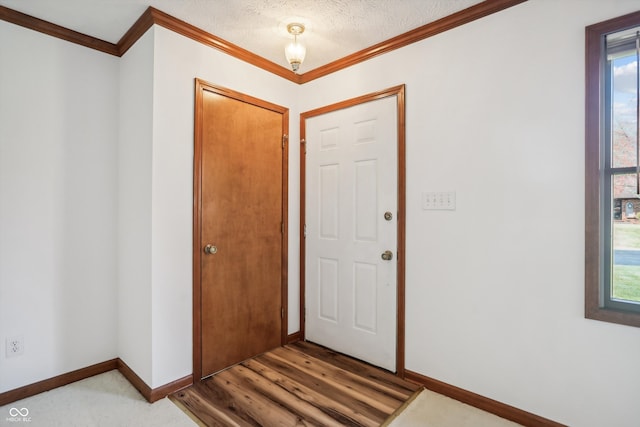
14, 346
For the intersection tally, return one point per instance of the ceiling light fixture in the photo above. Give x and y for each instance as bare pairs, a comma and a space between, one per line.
295, 50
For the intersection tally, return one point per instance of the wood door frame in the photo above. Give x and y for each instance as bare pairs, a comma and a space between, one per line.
200, 87
399, 92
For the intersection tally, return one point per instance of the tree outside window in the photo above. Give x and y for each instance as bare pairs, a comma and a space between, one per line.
612, 270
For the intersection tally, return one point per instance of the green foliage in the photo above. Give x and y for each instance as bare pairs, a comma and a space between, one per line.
626, 236
626, 278
626, 282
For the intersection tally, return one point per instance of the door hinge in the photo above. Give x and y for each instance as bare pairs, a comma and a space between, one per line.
305, 231
304, 144
285, 137
282, 313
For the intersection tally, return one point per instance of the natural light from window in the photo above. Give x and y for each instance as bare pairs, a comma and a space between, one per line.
622, 132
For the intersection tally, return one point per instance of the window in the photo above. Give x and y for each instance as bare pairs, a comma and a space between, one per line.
612, 178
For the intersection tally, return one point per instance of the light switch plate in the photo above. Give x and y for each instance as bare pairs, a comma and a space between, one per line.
439, 201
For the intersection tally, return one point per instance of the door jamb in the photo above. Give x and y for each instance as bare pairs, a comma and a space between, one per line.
399, 92
200, 87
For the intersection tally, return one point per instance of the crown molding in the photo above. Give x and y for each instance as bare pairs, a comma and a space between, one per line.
457, 19
57, 31
137, 30
154, 16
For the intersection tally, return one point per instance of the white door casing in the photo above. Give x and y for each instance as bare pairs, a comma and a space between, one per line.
351, 182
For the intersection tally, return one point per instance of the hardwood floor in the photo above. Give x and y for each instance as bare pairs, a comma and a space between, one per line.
301, 384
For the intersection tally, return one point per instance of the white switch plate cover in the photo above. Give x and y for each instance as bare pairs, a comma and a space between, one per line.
439, 201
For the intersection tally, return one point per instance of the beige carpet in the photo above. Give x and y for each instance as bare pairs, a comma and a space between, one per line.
106, 400
109, 400
431, 409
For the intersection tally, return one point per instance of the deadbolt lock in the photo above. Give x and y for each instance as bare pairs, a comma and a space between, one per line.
388, 216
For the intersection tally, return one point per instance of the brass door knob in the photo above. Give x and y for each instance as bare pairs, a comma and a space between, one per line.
210, 249
387, 255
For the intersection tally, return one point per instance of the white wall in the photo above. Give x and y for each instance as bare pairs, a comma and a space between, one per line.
135, 157
495, 289
178, 61
96, 200
58, 125
495, 111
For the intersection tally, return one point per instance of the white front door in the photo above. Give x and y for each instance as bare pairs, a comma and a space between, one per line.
351, 220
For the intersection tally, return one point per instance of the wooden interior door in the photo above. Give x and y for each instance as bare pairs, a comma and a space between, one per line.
241, 238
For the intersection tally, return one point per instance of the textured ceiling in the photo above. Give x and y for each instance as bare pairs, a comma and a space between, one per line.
335, 28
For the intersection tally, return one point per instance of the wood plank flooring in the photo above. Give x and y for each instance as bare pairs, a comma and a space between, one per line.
300, 384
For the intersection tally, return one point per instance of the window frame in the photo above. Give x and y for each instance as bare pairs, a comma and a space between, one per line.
597, 238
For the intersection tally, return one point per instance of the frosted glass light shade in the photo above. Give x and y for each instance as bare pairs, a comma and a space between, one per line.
295, 53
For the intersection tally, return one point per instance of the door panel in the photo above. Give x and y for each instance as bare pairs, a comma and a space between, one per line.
351, 181
241, 282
